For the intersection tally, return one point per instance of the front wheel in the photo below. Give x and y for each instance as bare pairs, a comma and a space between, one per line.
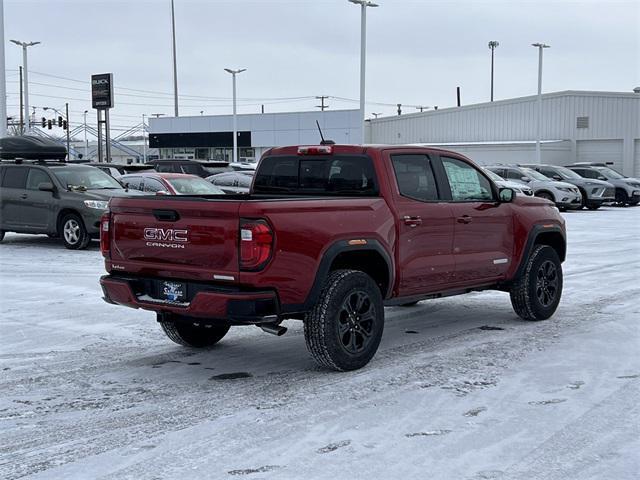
344, 329
1, 235
192, 334
74, 233
536, 294
546, 196
621, 197
593, 207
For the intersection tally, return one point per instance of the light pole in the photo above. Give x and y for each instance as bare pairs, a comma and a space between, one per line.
175, 66
235, 119
492, 45
3, 83
376, 114
363, 53
86, 142
540, 47
24, 46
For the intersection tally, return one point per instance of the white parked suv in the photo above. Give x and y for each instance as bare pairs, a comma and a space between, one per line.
519, 188
564, 195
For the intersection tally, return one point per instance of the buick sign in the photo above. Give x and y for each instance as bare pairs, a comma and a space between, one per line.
102, 91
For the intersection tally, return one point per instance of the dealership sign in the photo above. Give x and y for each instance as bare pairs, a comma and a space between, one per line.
102, 91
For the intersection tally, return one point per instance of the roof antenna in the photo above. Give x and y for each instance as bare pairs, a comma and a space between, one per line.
324, 142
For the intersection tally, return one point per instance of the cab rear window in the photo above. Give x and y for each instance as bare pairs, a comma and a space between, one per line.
322, 175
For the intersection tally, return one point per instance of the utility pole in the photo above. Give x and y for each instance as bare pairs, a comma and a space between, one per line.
24, 46
86, 142
322, 105
175, 65
363, 54
492, 45
235, 116
21, 124
66, 106
144, 141
3, 79
540, 47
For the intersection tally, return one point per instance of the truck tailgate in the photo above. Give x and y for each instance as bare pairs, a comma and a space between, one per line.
190, 238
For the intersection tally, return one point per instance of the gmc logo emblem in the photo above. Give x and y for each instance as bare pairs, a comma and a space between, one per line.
166, 234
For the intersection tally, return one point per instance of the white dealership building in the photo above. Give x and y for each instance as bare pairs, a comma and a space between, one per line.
577, 127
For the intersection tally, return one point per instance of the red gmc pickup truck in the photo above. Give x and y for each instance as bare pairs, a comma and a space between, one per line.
330, 234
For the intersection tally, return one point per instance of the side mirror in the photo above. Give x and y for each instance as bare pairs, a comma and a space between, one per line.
557, 177
600, 177
162, 192
507, 195
525, 179
46, 187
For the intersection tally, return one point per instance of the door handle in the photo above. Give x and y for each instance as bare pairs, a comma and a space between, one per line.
465, 219
23, 196
412, 221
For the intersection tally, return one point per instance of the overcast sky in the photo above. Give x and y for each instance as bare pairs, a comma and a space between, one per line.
418, 52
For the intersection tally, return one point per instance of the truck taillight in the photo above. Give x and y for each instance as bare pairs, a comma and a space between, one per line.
105, 240
256, 244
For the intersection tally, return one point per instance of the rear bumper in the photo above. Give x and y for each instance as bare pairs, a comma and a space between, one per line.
225, 304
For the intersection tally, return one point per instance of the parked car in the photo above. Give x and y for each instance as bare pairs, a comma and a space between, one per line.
594, 192
519, 188
59, 199
169, 184
233, 182
190, 167
627, 188
330, 234
563, 194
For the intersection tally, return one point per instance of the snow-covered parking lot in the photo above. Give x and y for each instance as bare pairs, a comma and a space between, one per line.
460, 388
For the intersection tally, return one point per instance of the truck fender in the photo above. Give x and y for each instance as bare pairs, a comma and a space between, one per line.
551, 235
332, 253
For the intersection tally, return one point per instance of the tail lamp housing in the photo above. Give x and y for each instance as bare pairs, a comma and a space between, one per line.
256, 244
105, 239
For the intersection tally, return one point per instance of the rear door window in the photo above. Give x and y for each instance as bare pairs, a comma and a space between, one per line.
134, 183
36, 177
415, 177
15, 177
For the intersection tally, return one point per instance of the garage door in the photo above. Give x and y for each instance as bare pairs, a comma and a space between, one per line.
600, 151
636, 159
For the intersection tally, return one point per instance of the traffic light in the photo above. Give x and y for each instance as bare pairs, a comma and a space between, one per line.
44, 122
65, 125
49, 124
59, 121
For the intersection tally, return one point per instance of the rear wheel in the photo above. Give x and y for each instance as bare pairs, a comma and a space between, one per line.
188, 333
74, 233
536, 295
344, 328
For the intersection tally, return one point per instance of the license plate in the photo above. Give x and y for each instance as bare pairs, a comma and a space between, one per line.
174, 291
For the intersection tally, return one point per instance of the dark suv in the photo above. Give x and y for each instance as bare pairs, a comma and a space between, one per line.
55, 198
627, 188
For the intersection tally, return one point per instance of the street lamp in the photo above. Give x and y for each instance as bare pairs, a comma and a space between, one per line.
144, 140
492, 45
363, 52
540, 47
24, 46
235, 120
376, 114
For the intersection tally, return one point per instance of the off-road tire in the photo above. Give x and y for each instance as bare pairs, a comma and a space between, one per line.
322, 326
526, 291
80, 238
187, 334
